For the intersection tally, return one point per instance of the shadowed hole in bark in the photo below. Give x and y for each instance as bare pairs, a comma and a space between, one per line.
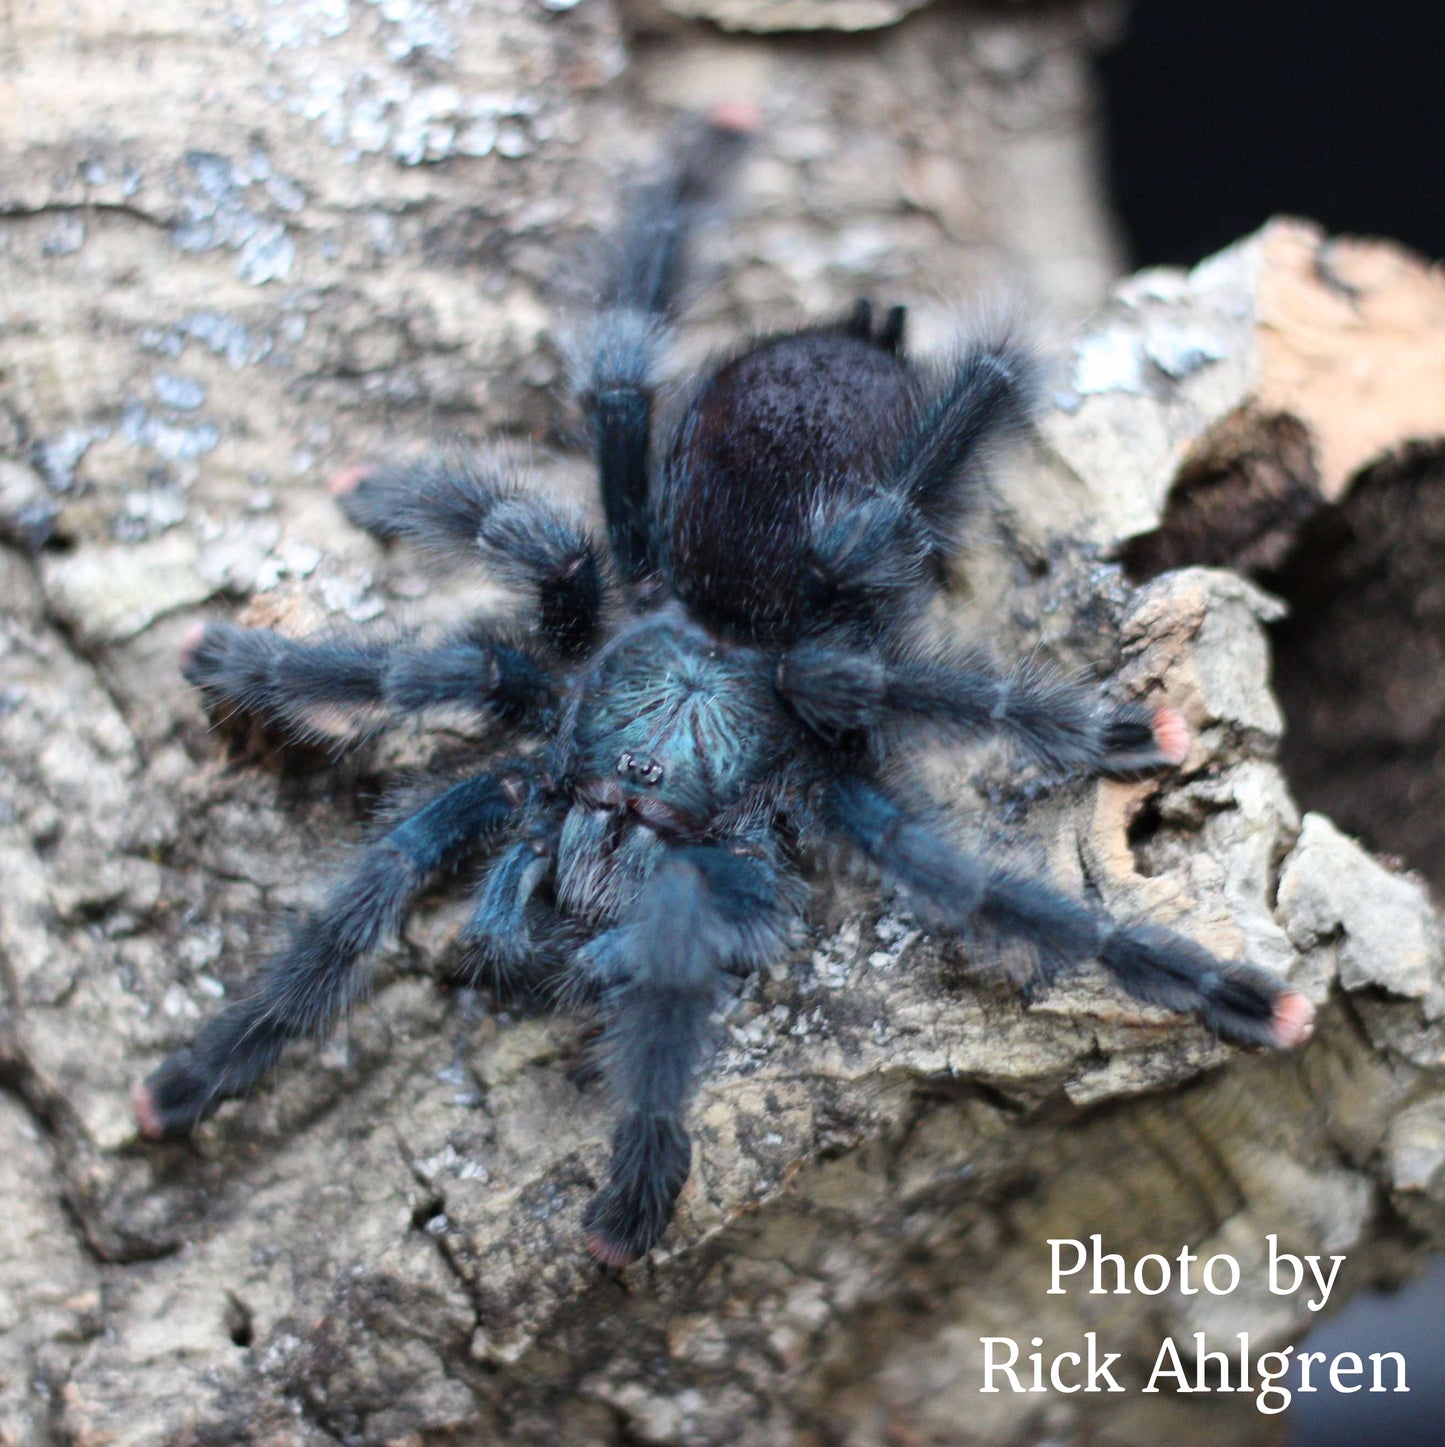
1238, 501
1144, 827
430, 1215
1359, 662
239, 1321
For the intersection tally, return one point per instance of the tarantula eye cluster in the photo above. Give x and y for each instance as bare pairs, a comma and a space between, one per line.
714, 681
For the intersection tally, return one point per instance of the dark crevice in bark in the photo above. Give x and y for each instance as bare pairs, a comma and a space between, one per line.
83, 208
1360, 661
1238, 502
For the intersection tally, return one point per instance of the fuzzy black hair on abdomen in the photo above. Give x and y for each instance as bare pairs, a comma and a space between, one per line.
796, 422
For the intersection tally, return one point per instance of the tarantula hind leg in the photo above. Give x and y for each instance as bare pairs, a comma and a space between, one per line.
313, 978
1237, 1002
987, 396
639, 300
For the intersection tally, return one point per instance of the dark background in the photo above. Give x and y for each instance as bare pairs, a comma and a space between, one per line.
1221, 113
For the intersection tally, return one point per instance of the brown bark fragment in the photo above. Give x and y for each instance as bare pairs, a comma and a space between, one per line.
1351, 337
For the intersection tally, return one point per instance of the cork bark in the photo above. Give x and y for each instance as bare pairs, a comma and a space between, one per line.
241, 246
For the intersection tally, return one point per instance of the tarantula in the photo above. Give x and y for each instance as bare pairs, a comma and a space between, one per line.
717, 690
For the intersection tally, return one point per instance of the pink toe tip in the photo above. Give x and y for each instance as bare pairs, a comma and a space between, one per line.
192, 641
609, 1253
1294, 1021
147, 1117
347, 479
1171, 734
742, 117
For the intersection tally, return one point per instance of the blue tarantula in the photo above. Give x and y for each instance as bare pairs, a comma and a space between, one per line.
717, 690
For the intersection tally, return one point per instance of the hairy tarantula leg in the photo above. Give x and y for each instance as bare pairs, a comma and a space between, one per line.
864, 562
987, 396
637, 302
457, 511
306, 985
1053, 722
312, 689
704, 909
1236, 1001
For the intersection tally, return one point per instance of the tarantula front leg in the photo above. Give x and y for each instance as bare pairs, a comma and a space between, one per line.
322, 689
313, 979
1236, 1001
838, 690
705, 910
458, 511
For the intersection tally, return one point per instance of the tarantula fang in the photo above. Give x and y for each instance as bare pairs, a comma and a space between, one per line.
719, 681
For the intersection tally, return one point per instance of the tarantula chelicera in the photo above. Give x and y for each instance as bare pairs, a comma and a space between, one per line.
717, 689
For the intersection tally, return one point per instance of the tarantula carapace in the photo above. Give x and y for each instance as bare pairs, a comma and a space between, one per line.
718, 688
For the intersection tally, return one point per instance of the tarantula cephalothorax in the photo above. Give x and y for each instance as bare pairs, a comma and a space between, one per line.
717, 688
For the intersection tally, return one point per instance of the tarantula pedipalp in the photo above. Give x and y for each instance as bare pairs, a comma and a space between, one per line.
715, 691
